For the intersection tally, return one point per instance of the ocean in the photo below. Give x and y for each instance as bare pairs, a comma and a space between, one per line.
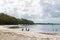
42, 28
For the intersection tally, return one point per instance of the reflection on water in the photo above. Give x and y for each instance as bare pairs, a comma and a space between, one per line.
43, 28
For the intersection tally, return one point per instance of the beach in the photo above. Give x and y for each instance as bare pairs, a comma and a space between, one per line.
10, 34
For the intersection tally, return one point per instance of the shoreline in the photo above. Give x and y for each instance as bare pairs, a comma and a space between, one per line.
7, 34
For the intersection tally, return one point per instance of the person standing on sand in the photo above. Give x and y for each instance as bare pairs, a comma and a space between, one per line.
27, 29
22, 29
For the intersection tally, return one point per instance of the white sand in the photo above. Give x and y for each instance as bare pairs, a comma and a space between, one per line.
9, 34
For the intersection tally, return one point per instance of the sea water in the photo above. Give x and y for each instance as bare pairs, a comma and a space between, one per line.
43, 28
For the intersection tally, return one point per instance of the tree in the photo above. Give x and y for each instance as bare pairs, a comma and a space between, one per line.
6, 19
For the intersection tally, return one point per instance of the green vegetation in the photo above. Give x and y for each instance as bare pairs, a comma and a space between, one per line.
8, 20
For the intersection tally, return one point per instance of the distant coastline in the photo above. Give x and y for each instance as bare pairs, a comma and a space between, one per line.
47, 23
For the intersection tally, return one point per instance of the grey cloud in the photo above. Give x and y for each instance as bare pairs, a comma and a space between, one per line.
55, 14
51, 9
27, 16
57, 7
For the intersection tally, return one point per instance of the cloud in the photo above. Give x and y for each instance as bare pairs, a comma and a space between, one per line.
36, 10
51, 7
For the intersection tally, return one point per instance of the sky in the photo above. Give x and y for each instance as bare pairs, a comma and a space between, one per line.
39, 11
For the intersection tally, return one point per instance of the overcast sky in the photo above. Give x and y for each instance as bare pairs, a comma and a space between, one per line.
36, 10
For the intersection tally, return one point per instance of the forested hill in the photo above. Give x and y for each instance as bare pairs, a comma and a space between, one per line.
9, 20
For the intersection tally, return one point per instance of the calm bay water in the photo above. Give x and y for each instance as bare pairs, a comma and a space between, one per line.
43, 28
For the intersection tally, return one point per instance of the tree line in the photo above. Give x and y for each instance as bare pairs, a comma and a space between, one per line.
10, 20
